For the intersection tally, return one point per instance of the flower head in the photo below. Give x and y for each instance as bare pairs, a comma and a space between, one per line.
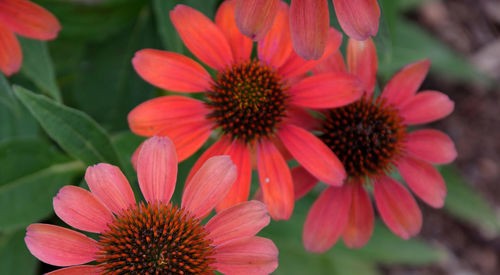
27, 19
255, 105
155, 237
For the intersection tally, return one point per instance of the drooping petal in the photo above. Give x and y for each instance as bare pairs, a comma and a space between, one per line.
202, 37
424, 180
157, 169
275, 181
11, 56
303, 181
398, 208
209, 185
327, 219
59, 246
300, 117
431, 145
362, 61
240, 44
406, 82
241, 220
218, 148
171, 71
248, 255
80, 209
255, 18
359, 228
426, 106
78, 270
313, 154
333, 63
110, 186
309, 23
358, 18
28, 19
275, 48
328, 90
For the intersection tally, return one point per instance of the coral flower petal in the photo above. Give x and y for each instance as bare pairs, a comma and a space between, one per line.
80, 209
362, 61
358, 18
242, 220
157, 169
11, 56
171, 71
276, 47
250, 255
202, 37
359, 228
255, 18
28, 19
426, 106
328, 90
110, 186
431, 145
59, 246
275, 181
406, 82
300, 117
327, 218
309, 23
303, 181
209, 185
424, 180
398, 208
240, 156
240, 44
333, 63
77, 270
218, 148
313, 154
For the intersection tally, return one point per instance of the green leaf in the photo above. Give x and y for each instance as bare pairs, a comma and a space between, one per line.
7, 96
14, 255
74, 131
37, 66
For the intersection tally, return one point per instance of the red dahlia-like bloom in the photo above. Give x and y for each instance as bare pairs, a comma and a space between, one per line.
155, 237
27, 19
370, 137
309, 21
255, 105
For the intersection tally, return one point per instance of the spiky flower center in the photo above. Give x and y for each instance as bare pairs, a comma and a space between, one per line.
366, 136
155, 239
247, 101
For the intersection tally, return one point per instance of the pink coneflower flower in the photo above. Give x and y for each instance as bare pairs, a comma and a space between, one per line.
309, 21
155, 237
371, 138
27, 19
255, 105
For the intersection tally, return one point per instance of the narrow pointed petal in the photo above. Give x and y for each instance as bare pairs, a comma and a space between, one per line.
334, 63
358, 18
398, 208
240, 44
171, 71
28, 19
359, 228
431, 145
362, 61
424, 180
59, 246
309, 23
406, 82
426, 106
110, 186
202, 37
255, 18
80, 209
275, 48
242, 220
209, 185
328, 90
275, 181
249, 255
240, 190
217, 149
327, 219
11, 56
77, 270
303, 181
157, 169
300, 117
